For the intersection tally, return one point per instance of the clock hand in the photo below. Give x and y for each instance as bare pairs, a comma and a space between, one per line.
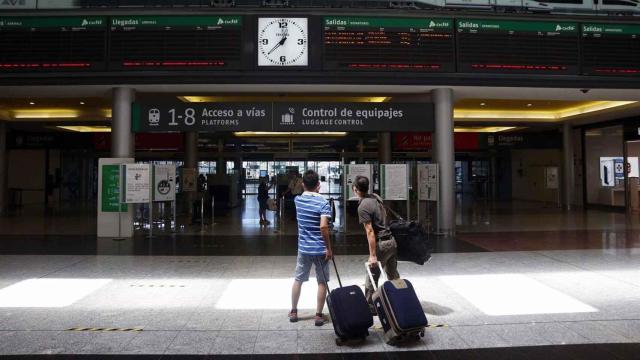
280, 43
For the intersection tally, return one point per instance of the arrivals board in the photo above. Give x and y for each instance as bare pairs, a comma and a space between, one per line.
392, 44
52, 43
610, 49
176, 42
526, 47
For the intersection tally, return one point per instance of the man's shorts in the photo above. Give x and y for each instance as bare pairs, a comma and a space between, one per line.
303, 268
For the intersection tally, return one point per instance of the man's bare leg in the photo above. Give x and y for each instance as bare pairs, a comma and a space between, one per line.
296, 289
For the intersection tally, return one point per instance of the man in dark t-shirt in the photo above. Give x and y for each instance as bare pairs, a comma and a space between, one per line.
263, 197
382, 246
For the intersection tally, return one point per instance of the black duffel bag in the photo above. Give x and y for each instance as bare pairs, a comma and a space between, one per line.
413, 241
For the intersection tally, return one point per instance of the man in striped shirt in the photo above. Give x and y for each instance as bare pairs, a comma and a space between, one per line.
314, 246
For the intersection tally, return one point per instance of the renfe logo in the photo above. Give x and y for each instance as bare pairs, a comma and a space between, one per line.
86, 22
233, 21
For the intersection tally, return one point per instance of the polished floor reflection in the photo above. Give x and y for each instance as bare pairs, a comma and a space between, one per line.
168, 305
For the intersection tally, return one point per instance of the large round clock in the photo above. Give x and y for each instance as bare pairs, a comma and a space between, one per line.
283, 42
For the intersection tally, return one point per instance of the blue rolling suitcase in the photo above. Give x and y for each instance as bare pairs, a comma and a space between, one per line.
399, 309
349, 312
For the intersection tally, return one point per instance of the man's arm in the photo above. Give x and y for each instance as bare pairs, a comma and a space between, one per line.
371, 239
326, 235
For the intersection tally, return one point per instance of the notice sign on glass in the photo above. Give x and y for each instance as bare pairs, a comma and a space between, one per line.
394, 181
111, 189
164, 183
354, 170
427, 182
137, 183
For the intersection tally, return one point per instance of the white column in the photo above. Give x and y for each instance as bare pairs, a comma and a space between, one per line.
445, 157
122, 143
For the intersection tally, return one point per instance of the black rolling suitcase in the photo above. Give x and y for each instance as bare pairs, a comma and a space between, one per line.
349, 312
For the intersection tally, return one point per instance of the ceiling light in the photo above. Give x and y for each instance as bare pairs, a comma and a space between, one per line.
81, 102
529, 105
482, 104
45, 113
483, 129
86, 129
31, 103
536, 115
281, 134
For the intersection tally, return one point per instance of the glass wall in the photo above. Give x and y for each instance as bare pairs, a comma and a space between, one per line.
604, 165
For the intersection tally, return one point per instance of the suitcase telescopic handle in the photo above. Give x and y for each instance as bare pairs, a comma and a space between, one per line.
367, 265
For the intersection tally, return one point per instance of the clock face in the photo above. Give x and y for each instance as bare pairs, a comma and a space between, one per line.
282, 42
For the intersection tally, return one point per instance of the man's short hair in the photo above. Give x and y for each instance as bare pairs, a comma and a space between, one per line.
310, 180
362, 184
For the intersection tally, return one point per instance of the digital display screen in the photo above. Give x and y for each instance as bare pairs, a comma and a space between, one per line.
528, 47
610, 49
175, 42
52, 43
392, 44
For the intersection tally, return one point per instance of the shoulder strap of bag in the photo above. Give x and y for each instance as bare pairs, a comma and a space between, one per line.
388, 209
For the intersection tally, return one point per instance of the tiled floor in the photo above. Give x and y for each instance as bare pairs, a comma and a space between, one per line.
238, 305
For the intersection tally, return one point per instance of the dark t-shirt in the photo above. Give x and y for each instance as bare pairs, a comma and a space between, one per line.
371, 210
263, 191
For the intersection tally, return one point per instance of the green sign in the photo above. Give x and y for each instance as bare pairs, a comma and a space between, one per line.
473, 25
379, 22
613, 29
52, 22
111, 189
175, 21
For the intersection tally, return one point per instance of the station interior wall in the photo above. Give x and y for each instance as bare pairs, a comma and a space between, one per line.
528, 174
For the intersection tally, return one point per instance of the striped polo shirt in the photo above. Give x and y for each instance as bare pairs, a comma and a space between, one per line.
310, 207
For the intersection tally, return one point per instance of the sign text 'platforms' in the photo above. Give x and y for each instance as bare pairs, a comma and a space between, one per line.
284, 117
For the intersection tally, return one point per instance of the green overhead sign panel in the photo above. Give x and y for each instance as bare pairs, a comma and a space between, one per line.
32, 22
611, 29
118, 22
388, 23
474, 25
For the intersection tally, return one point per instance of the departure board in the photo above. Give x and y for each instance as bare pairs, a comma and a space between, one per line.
611, 49
52, 43
393, 44
175, 42
529, 47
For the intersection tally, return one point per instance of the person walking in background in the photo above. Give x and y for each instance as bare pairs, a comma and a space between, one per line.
263, 197
314, 244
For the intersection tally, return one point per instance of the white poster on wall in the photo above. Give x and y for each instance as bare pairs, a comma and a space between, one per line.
353, 170
607, 177
427, 182
164, 183
633, 171
137, 181
394, 179
551, 178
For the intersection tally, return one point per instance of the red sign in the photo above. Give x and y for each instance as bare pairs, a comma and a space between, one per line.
144, 141
423, 141
417, 141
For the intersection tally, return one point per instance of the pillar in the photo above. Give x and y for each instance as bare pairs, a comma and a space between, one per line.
191, 149
567, 170
122, 141
4, 169
444, 156
384, 148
